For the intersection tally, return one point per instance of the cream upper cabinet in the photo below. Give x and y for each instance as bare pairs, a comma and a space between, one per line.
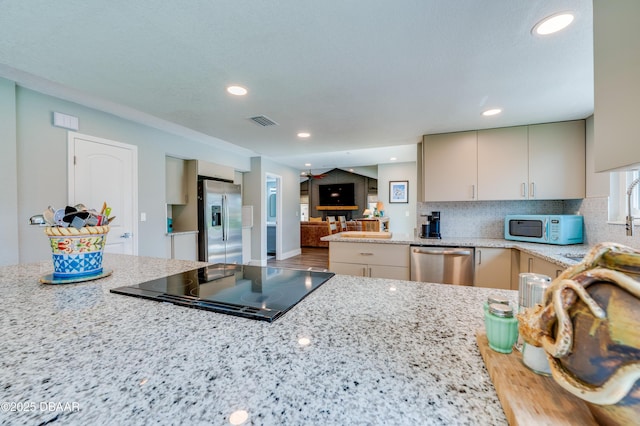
596, 184
541, 161
175, 184
616, 43
502, 163
216, 171
557, 160
450, 164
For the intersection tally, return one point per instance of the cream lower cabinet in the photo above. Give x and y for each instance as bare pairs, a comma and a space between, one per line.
493, 268
183, 246
370, 260
535, 264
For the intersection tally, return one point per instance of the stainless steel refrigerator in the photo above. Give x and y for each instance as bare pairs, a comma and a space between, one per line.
219, 222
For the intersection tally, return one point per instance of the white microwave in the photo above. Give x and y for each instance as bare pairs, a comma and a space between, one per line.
547, 229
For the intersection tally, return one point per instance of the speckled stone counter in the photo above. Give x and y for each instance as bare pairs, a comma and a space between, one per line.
553, 253
380, 352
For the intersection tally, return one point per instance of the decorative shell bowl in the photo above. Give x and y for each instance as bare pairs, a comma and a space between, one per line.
589, 327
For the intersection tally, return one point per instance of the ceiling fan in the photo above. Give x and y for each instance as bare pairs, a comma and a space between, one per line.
311, 175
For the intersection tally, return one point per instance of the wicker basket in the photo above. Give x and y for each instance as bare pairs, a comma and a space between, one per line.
77, 252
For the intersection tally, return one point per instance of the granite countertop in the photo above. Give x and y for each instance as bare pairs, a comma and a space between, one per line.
380, 352
553, 253
171, 234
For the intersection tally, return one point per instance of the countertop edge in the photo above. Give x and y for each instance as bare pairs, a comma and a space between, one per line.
171, 234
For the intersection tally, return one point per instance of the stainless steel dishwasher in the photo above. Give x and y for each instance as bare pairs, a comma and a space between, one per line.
448, 265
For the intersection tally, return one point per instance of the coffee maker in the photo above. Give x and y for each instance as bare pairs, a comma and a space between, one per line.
434, 225
431, 229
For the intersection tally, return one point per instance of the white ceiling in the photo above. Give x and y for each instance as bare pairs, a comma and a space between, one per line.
366, 78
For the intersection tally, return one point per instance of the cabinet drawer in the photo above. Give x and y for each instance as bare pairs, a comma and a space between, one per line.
369, 253
355, 269
390, 272
373, 271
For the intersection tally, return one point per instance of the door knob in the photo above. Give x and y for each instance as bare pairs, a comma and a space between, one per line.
126, 235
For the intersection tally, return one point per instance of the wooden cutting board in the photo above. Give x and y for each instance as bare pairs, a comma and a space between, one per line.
528, 398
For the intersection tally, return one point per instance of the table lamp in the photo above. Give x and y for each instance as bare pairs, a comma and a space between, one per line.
366, 213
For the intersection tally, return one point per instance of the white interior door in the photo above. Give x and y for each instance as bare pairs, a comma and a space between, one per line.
100, 171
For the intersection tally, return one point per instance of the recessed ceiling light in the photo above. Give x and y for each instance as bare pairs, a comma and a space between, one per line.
304, 134
307, 164
494, 111
237, 90
393, 158
553, 24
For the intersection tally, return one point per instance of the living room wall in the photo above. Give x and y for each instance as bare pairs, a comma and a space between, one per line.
363, 186
254, 193
402, 216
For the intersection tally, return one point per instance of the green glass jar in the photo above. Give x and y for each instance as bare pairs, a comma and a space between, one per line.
501, 326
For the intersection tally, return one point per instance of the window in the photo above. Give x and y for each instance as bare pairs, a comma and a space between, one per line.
620, 182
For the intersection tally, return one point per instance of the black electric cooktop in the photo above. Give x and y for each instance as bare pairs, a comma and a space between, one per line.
255, 292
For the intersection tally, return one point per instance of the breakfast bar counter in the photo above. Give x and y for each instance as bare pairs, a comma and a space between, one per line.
355, 351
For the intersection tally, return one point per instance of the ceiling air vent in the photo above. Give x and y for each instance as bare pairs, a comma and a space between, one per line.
263, 121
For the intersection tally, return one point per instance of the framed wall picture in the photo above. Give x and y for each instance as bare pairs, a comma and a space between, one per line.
399, 191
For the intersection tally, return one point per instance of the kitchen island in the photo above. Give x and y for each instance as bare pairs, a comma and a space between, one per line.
355, 351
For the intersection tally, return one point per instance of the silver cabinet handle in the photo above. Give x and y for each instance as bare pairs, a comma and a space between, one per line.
479, 256
126, 235
366, 254
473, 192
524, 190
464, 252
532, 193
530, 264
364, 271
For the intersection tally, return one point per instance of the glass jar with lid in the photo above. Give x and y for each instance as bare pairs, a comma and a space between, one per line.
501, 327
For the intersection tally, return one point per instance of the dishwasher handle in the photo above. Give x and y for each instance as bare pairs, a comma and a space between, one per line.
452, 251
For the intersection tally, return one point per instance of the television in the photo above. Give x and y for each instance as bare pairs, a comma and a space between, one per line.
339, 194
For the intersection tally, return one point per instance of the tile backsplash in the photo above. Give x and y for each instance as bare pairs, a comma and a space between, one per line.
597, 229
485, 219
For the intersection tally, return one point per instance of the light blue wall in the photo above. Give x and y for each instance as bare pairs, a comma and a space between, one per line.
402, 216
255, 187
41, 153
8, 175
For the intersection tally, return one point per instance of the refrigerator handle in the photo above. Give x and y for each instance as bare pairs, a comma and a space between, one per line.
225, 216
